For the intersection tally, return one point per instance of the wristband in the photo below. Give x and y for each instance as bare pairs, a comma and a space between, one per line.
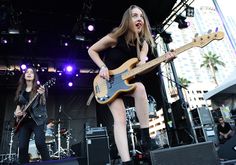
103, 66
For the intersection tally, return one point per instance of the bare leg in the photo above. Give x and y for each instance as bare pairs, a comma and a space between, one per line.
120, 133
141, 105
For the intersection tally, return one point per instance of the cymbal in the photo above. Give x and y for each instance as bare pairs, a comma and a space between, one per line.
49, 139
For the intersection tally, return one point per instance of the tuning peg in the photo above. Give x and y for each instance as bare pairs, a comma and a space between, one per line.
209, 31
196, 35
216, 30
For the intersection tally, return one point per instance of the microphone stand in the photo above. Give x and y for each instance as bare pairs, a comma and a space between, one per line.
171, 116
177, 83
182, 100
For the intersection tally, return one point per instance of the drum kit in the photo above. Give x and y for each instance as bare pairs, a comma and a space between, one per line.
132, 123
53, 141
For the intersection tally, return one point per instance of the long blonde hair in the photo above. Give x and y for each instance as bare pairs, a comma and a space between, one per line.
130, 36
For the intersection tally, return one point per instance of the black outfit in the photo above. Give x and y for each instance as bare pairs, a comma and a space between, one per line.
34, 122
114, 58
224, 130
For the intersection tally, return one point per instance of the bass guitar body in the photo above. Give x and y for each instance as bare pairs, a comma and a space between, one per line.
107, 90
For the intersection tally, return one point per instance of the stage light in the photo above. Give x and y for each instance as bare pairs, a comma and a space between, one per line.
189, 11
4, 40
13, 30
181, 21
80, 37
88, 24
69, 68
66, 44
70, 84
23, 66
65, 40
166, 37
30, 40
90, 28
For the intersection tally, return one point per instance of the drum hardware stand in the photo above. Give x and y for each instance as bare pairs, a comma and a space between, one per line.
131, 132
9, 156
10, 145
60, 149
68, 136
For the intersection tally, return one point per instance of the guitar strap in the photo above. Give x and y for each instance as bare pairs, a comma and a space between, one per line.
90, 99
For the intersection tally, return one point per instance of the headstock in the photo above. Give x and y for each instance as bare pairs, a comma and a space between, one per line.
206, 39
50, 82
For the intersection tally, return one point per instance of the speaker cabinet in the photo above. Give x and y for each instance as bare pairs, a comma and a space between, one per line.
97, 146
194, 154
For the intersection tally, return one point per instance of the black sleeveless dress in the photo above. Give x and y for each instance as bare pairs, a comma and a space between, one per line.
115, 57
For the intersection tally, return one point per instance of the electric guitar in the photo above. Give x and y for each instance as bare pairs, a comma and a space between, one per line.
106, 91
19, 120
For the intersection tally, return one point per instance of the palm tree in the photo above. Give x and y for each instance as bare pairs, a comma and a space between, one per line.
211, 62
184, 82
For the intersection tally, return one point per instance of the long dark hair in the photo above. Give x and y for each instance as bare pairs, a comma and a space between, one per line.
22, 85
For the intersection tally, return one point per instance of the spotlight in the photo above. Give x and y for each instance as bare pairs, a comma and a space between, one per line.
65, 40
4, 40
166, 37
23, 66
30, 37
89, 24
181, 21
69, 68
189, 11
66, 44
90, 28
70, 84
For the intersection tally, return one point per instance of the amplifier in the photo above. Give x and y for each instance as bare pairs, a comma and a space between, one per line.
96, 132
97, 146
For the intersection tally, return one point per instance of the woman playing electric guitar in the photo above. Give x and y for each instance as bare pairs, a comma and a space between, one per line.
34, 118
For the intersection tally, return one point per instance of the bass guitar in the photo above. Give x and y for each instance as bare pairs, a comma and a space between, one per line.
106, 91
19, 120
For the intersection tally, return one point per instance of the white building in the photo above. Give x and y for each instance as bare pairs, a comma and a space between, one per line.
188, 63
